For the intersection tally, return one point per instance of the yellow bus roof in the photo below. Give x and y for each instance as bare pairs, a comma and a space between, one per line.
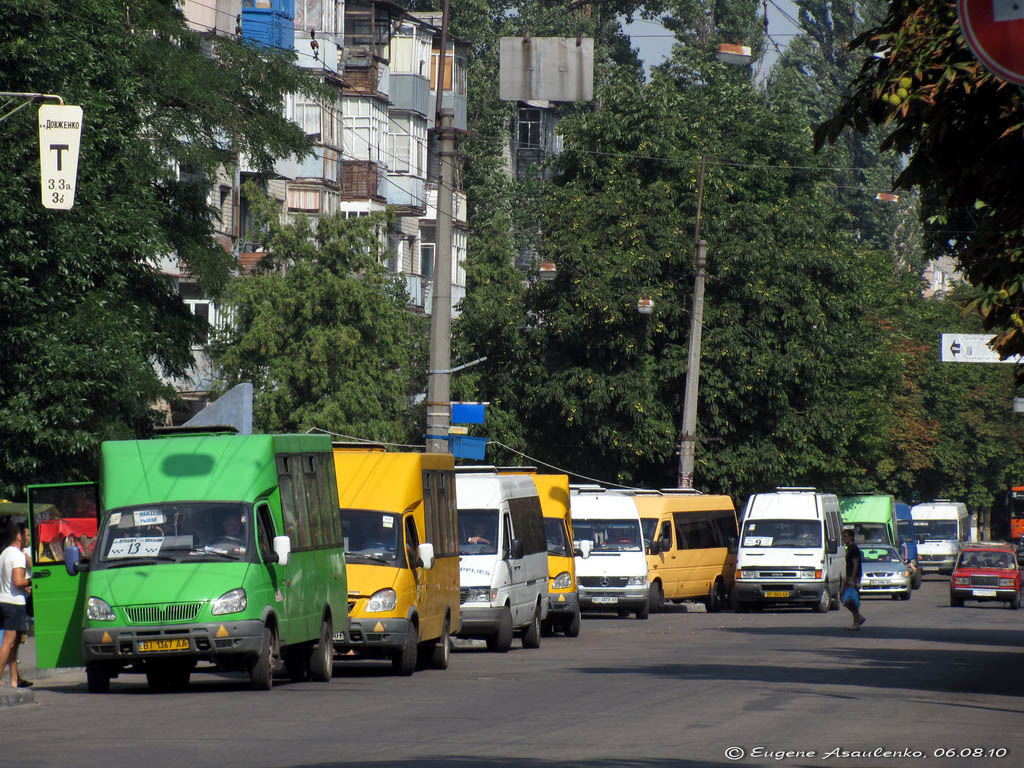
373, 479
650, 505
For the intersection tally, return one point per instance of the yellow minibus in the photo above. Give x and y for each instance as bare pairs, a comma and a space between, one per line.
691, 541
400, 526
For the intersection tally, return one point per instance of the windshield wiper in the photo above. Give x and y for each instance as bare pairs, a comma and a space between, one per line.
142, 561
212, 551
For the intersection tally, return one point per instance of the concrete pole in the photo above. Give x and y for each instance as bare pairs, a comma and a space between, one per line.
688, 433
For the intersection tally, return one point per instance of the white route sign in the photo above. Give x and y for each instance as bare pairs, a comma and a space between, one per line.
60, 135
971, 348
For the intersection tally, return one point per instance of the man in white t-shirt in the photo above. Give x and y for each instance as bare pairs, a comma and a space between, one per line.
15, 585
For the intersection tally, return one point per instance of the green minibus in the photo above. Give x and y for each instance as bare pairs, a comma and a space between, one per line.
208, 547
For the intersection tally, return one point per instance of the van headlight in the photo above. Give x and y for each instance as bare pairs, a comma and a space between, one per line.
481, 595
382, 600
562, 581
99, 610
230, 602
636, 581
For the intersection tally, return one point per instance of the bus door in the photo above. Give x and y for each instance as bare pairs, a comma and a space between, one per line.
60, 517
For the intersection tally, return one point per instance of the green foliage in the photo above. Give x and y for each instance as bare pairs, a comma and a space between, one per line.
322, 331
89, 323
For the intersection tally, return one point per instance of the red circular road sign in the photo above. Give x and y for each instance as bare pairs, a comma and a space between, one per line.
994, 30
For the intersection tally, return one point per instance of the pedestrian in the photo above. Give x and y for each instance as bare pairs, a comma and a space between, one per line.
851, 584
15, 587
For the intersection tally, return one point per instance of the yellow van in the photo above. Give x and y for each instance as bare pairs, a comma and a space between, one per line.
691, 541
399, 521
563, 594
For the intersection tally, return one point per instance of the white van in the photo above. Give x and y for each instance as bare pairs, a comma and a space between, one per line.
790, 550
940, 527
612, 565
503, 557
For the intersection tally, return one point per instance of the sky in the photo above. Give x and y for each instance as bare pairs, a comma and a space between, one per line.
655, 42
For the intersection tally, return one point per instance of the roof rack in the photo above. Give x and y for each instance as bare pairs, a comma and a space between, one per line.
358, 445
795, 488
682, 491
469, 469
587, 488
218, 429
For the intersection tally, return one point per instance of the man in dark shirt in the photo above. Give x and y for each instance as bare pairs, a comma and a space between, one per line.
854, 571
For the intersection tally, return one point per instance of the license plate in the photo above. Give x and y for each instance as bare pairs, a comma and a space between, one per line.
871, 583
148, 646
605, 600
776, 594
983, 592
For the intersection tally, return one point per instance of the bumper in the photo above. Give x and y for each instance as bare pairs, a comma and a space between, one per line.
125, 644
893, 588
480, 621
604, 599
1006, 595
563, 604
944, 565
793, 592
368, 635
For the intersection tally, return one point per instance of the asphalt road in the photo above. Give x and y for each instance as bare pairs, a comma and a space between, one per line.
677, 690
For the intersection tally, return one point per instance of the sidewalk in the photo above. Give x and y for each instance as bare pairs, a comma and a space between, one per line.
12, 697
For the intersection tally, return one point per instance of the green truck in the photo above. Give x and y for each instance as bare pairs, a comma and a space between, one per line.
197, 550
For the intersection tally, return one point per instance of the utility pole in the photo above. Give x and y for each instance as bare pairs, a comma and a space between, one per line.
688, 433
439, 381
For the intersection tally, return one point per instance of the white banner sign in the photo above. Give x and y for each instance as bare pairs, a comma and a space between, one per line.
60, 135
971, 348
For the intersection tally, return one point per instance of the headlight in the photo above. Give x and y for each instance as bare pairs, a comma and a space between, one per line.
962, 580
230, 602
99, 610
562, 581
1007, 582
636, 581
481, 595
382, 600
906, 574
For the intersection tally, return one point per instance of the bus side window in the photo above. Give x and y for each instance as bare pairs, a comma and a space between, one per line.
666, 535
264, 531
412, 542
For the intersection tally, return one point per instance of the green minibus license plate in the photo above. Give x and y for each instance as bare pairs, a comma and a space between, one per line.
776, 594
146, 646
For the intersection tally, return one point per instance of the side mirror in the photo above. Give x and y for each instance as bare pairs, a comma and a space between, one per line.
426, 555
72, 560
282, 548
516, 549
586, 546
655, 547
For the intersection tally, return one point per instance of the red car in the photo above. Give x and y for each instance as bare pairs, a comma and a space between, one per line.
986, 572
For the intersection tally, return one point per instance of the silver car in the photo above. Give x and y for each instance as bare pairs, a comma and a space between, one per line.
885, 573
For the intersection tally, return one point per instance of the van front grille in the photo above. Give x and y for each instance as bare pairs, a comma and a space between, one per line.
603, 581
167, 613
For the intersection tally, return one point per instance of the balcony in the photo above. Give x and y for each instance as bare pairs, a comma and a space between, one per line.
407, 194
410, 93
362, 180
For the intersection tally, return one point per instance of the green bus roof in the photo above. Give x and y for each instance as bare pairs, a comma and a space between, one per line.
197, 468
867, 508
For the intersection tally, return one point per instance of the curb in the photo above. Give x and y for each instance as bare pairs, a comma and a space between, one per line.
16, 697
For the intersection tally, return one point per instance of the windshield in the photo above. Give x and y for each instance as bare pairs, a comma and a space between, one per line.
648, 525
935, 530
175, 533
869, 533
880, 555
478, 531
977, 558
558, 543
790, 534
371, 536
609, 535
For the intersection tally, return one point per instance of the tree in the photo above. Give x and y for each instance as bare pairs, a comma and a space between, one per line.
322, 331
960, 126
89, 321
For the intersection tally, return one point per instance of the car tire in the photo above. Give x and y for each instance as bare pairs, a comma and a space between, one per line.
443, 649
321, 660
1015, 603
572, 629
404, 661
531, 634
657, 600
904, 595
644, 611
97, 678
824, 602
714, 599
501, 641
261, 673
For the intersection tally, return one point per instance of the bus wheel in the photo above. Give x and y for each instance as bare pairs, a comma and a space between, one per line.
572, 629
657, 597
502, 640
97, 678
713, 602
644, 611
261, 673
321, 661
404, 662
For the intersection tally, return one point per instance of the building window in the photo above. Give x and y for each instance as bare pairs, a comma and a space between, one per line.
427, 260
305, 114
306, 200
529, 127
365, 124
